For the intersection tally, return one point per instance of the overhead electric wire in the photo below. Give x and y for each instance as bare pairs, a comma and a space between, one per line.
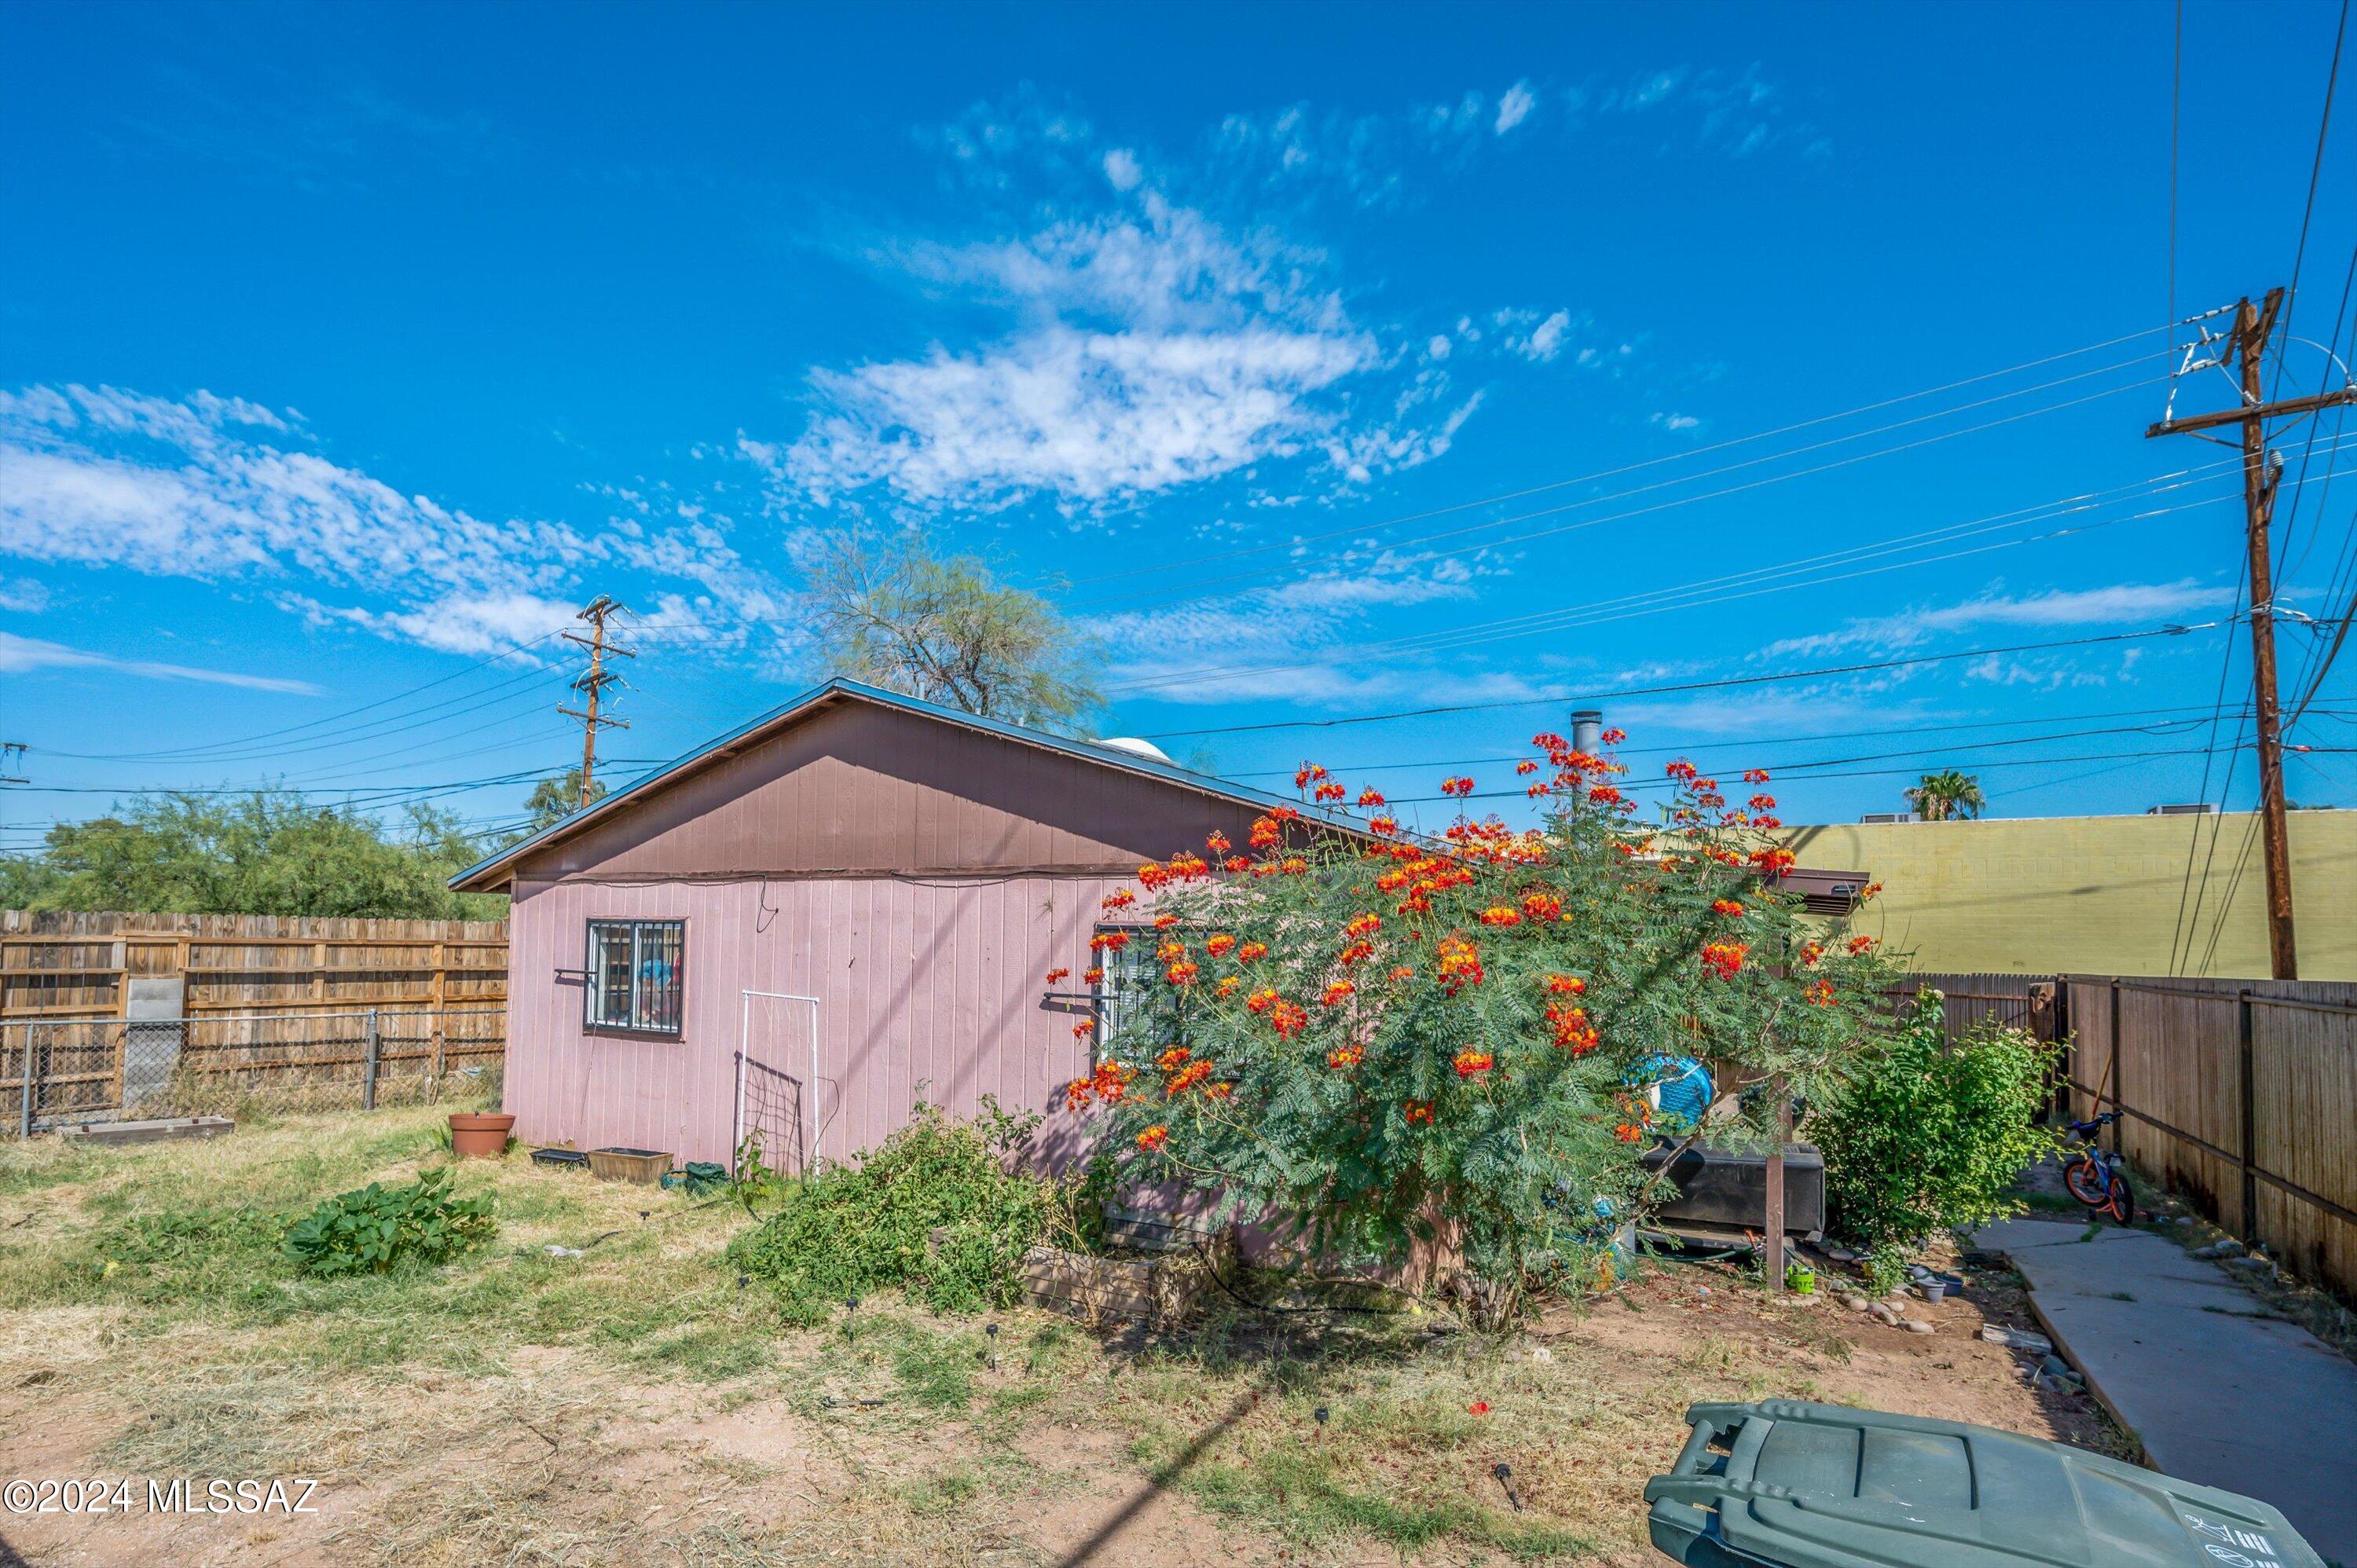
1422, 555
309, 724
1297, 540
1717, 683
1748, 584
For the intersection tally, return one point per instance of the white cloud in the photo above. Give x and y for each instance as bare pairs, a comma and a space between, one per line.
2114, 604
1438, 348
1154, 349
1674, 421
217, 488
24, 596
1538, 343
18, 654
1514, 107
1121, 169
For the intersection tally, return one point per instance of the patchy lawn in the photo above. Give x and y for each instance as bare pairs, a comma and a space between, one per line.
636, 1404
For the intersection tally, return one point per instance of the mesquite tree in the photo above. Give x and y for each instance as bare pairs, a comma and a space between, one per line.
1397, 1037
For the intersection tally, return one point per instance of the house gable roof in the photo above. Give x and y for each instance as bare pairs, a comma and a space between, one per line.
499, 869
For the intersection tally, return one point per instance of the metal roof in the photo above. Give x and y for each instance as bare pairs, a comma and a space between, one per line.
488, 873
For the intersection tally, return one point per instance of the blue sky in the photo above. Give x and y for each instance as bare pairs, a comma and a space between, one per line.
1322, 362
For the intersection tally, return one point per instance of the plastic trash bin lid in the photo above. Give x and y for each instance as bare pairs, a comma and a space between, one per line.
1811, 1486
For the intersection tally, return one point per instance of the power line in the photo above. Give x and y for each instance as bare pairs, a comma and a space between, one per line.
1297, 540
1721, 682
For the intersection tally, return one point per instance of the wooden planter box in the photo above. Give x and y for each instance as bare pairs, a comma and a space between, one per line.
645, 1166
1160, 1293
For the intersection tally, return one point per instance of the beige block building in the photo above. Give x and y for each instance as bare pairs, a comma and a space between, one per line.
2098, 895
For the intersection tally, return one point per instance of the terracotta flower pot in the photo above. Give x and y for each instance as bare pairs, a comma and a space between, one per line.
479, 1135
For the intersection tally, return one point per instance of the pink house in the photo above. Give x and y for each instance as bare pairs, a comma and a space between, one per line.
805, 926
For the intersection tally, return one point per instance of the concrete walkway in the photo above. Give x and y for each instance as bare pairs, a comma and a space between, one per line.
2185, 1358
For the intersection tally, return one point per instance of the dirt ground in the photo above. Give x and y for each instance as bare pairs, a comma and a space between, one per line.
638, 1405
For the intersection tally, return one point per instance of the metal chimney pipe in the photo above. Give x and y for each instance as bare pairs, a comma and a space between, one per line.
1588, 731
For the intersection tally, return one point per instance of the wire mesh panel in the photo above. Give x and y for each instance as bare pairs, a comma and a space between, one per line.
62, 1071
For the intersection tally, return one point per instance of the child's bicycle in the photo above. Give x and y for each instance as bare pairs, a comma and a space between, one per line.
2093, 1177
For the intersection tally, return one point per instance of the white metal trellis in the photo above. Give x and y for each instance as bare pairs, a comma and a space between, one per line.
744, 1047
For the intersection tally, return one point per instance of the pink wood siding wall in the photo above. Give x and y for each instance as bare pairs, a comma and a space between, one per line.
927, 988
919, 876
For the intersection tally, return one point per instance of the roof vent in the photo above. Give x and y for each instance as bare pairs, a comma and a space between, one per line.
1887, 817
1137, 747
2197, 809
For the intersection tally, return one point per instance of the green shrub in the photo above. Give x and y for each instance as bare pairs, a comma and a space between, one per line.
1930, 1136
852, 1229
370, 1231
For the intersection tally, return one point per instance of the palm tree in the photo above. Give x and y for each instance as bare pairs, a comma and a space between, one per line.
1947, 795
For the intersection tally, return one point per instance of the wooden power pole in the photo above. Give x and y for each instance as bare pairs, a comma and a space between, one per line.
2254, 324
592, 684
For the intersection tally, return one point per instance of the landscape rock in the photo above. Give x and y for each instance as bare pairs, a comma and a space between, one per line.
2217, 1249
1884, 1313
1917, 1326
2252, 1268
1855, 1303
2017, 1339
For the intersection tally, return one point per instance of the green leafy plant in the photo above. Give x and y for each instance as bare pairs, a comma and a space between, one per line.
849, 1230
1930, 1136
370, 1231
1435, 1050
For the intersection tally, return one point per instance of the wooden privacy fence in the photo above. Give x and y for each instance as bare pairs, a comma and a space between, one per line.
2242, 1095
108, 1014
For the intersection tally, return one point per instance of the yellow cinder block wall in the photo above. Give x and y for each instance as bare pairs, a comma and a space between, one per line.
2096, 894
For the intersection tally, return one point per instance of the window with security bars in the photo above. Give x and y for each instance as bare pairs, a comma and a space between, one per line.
1129, 983
637, 974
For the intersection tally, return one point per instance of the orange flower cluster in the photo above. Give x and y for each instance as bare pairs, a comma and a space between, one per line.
1725, 960
1228, 984
1811, 952
1174, 1058
1337, 992
1220, 946
1860, 944
1288, 1019
1154, 1137
1605, 795
1217, 841
1330, 792
1403, 973
1471, 1063
1629, 1132
1755, 776
1093, 976
1262, 1000
1566, 985
1109, 941
1526, 766
1164, 922
1499, 915
1725, 906
1775, 861
1183, 973
1542, 907
1386, 826
1187, 1078
1370, 796
1683, 771
1110, 1083
1310, 772
1821, 993
1763, 803
1456, 785
1357, 953
1170, 953
1460, 964
1082, 1031
1056, 975
1415, 1111
1362, 924
1613, 736
1573, 1032
1341, 1057
1119, 898
1251, 950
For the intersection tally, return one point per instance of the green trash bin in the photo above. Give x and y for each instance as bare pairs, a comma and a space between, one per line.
1786, 1484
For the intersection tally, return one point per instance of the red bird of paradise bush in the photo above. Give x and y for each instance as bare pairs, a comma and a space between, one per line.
1492, 1077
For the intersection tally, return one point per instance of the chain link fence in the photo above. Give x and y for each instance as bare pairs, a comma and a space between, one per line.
58, 1072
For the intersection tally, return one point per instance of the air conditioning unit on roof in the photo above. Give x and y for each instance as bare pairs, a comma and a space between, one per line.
1887, 817
2196, 808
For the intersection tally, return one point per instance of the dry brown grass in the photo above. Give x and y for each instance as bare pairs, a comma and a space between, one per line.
635, 1405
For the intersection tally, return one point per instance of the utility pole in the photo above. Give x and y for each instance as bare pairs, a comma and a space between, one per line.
2247, 344
12, 759
592, 684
